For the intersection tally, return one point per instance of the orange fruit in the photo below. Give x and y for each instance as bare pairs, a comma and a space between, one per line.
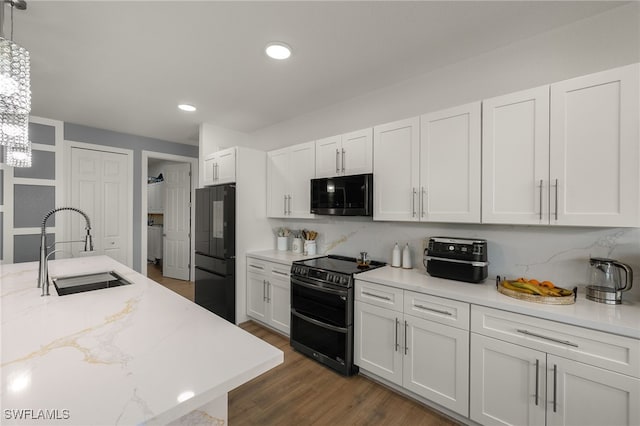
534, 282
548, 284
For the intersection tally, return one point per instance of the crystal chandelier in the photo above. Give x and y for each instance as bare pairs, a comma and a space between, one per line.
15, 95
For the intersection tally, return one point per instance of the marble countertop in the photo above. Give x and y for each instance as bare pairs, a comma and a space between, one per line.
622, 319
122, 355
280, 256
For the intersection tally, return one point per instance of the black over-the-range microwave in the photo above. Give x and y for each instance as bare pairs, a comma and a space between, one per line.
343, 195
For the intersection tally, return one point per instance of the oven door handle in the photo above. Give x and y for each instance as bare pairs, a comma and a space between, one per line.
318, 323
318, 287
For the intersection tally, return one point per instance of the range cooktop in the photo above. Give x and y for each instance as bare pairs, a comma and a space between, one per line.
340, 264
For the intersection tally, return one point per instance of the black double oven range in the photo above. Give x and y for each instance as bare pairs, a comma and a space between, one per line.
322, 309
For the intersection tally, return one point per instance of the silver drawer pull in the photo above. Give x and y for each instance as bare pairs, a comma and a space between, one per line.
433, 310
564, 342
376, 296
280, 273
256, 266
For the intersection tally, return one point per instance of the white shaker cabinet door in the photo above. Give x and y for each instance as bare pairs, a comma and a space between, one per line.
328, 156
396, 166
257, 296
583, 395
436, 363
507, 383
277, 182
301, 171
209, 165
515, 158
226, 166
356, 153
450, 161
378, 341
279, 303
595, 153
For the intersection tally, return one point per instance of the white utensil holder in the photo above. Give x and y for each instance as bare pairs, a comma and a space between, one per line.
310, 247
282, 243
297, 245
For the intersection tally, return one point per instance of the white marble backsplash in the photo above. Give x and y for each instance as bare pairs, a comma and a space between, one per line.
555, 253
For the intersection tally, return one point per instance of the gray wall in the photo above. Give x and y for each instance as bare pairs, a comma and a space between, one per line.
80, 133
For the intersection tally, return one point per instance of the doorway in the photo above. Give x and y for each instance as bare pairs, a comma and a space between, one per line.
169, 183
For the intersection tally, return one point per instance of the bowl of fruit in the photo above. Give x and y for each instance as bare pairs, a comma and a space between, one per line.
538, 291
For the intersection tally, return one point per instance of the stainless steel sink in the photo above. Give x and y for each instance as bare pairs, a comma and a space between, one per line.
72, 284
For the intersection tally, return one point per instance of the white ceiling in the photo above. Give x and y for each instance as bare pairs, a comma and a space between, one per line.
124, 66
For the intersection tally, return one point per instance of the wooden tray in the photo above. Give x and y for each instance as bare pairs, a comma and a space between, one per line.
548, 300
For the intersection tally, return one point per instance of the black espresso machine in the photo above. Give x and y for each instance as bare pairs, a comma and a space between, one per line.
461, 259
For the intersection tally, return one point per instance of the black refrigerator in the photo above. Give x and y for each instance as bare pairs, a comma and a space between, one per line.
215, 244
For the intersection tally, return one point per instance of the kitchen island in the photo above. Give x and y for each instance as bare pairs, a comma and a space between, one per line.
132, 354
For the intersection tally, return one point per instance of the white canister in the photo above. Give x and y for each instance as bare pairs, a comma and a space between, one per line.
297, 245
282, 243
310, 247
396, 257
406, 257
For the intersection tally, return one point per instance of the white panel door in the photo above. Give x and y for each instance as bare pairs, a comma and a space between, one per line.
328, 157
378, 341
507, 383
302, 162
356, 153
582, 395
450, 161
515, 158
277, 181
99, 182
595, 154
436, 363
396, 170
177, 221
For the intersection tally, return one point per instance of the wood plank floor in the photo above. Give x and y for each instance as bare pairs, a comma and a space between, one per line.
183, 288
303, 392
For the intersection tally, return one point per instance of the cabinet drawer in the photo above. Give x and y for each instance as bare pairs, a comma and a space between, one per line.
379, 295
257, 266
279, 270
616, 353
438, 309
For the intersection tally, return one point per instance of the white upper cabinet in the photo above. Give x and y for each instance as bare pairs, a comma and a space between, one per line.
155, 197
595, 143
396, 170
515, 157
343, 155
220, 167
450, 160
289, 174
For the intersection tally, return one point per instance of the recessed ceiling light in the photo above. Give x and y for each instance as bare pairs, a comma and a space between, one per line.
187, 107
278, 50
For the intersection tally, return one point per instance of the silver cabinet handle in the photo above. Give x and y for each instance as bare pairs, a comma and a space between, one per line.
376, 296
268, 292
264, 290
397, 324
342, 160
556, 187
337, 160
540, 201
433, 310
555, 388
289, 198
284, 211
423, 196
564, 342
284, 274
537, 381
256, 266
406, 348
413, 202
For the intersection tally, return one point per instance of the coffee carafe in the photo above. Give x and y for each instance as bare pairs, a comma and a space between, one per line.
606, 284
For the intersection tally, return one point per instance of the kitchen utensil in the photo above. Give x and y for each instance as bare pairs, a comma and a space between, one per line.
363, 261
605, 280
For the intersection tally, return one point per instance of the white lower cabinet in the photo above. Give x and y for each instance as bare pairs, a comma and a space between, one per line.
269, 293
523, 380
424, 356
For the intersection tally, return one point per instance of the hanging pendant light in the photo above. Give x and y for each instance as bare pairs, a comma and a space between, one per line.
15, 95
